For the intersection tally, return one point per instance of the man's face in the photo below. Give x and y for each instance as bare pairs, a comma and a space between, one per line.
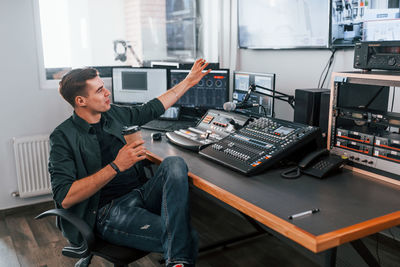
97, 99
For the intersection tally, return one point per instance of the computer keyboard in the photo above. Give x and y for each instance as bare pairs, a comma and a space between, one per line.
168, 126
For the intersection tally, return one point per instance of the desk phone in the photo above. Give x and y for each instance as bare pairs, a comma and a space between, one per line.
321, 163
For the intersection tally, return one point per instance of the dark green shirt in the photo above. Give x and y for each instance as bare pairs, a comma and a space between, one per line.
75, 154
123, 182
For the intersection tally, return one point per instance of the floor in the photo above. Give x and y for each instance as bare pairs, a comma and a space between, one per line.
26, 242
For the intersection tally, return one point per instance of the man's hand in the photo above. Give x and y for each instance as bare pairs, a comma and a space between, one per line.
196, 73
128, 155
86, 187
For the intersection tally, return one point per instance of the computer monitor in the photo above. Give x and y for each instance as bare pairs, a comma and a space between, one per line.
241, 83
137, 85
211, 92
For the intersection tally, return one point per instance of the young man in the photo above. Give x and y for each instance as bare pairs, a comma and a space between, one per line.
98, 177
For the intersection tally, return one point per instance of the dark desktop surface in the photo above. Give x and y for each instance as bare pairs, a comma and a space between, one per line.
169, 125
188, 117
344, 199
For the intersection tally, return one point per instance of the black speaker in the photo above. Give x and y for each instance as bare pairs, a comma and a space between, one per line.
324, 112
307, 105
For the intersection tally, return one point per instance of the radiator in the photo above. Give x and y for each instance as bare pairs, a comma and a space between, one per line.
31, 157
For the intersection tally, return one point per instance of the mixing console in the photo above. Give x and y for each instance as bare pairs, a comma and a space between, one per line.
215, 125
260, 144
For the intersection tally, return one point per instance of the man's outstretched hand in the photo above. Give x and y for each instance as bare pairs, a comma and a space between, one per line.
196, 73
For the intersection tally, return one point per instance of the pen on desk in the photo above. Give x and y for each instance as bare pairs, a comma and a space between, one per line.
303, 213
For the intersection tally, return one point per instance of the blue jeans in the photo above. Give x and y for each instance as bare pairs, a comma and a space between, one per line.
154, 217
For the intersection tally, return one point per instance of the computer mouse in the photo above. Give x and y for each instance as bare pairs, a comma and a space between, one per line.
156, 136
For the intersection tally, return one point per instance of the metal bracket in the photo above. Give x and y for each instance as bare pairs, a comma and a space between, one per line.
340, 79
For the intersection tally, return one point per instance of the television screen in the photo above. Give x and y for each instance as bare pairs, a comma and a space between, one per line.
272, 24
364, 20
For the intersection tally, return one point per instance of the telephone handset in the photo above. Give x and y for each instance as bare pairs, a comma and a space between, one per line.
310, 158
321, 163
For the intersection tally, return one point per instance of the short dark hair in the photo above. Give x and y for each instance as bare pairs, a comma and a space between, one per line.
73, 83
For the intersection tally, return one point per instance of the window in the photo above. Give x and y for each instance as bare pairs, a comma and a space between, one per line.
76, 33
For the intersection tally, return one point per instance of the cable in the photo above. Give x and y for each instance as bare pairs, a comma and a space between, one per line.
377, 249
329, 67
292, 173
374, 97
326, 68
264, 109
394, 94
322, 73
394, 238
390, 231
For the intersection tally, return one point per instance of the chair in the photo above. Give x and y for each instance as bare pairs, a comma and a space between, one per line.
120, 256
93, 245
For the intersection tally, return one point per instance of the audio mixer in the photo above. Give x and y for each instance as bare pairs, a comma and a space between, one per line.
215, 125
260, 144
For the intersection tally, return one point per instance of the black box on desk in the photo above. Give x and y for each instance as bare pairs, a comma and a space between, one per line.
307, 105
324, 112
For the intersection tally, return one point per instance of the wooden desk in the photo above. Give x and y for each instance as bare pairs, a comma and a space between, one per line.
352, 205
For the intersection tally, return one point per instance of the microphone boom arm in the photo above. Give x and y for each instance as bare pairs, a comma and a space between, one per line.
252, 88
135, 55
281, 96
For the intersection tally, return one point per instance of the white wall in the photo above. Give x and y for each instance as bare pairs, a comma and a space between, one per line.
25, 109
294, 69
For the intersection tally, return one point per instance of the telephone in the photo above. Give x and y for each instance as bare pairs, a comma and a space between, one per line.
319, 164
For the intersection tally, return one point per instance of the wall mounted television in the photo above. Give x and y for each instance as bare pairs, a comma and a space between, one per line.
364, 20
283, 24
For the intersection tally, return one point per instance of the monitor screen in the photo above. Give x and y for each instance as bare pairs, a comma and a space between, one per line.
241, 83
355, 21
211, 92
134, 80
137, 85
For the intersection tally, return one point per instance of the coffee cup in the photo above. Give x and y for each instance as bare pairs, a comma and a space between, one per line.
132, 133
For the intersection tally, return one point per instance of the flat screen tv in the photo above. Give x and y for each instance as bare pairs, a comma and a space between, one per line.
283, 24
364, 20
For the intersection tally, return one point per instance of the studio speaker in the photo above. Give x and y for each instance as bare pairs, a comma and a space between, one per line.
307, 105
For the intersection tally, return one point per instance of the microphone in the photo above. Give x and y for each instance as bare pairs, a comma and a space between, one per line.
229, 106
